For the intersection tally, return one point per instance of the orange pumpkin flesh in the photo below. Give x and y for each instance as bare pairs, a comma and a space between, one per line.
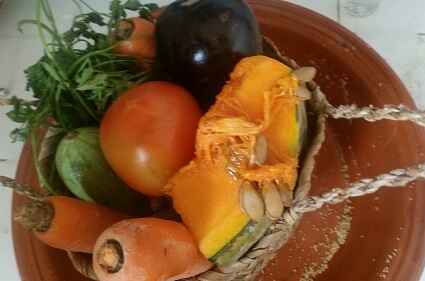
208, 206
258, 100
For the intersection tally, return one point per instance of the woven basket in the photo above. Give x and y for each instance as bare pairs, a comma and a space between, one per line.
283, 229
251, 264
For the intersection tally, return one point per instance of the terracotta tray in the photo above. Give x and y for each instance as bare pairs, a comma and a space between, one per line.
369, 238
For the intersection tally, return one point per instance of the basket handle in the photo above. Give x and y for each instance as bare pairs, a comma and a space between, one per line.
395, 178
372, 113
21, 188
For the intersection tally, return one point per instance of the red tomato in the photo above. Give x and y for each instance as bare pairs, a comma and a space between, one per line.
148, 133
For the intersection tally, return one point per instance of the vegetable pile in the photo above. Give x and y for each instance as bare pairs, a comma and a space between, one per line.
178, 137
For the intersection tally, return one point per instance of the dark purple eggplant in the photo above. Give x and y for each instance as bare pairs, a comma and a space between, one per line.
200, 41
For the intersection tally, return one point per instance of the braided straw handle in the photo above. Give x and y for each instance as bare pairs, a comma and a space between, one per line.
371, 113
395, 178
21, 188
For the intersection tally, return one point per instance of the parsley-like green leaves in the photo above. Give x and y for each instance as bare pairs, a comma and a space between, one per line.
78, 76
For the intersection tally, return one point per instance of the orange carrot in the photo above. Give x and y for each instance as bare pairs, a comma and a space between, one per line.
155, 13
67, 223
135, 37
147, 249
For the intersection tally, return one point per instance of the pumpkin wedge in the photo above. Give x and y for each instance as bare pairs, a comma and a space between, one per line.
247, 148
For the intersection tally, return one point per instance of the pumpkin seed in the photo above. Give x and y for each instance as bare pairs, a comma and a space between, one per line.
272, 200
305, 74
261, 149
286, 194
302, 93
250, 201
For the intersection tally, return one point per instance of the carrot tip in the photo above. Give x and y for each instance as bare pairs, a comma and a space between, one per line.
35, 215
124, 30
110, 256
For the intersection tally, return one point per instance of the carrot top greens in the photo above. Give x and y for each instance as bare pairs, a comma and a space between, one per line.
78, 75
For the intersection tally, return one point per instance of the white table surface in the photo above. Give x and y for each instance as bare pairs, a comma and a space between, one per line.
396, 31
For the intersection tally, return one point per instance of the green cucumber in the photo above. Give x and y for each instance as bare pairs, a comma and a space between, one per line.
84, 170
